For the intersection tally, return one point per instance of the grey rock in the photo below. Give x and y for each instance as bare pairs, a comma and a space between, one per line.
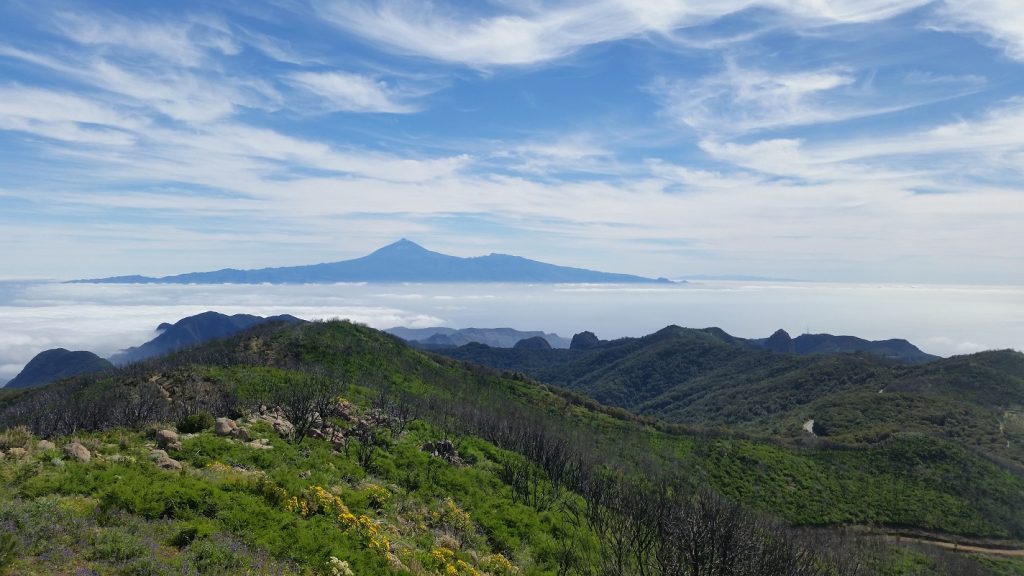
78, 452
283, 427
167, 439
224, 427
443, 449
167, 463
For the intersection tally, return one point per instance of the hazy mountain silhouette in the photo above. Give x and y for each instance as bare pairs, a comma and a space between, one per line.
402, 261
892, 349
497, 337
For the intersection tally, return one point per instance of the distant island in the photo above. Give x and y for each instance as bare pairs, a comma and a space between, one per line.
402, 261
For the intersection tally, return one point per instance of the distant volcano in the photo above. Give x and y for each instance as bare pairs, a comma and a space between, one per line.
402, 261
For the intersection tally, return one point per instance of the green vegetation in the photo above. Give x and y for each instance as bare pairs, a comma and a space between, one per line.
195, 422
708, 378
534, 481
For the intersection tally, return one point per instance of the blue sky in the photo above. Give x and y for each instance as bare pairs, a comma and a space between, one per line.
847, 140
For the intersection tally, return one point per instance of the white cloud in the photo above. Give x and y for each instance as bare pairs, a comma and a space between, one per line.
1001, 20
274, 155
967, 146
577, 152
49, 106
64, 117
181, 94
275, 48
184, 43
185, 137
105, 318
741, 100
349, 92
542, 31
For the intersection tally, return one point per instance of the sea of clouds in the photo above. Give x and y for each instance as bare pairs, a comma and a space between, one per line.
103, 318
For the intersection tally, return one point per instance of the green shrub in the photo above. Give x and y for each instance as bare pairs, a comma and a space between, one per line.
16, 437
190, 532
195, 422
8, 551
142, 567
115, 545
211, 557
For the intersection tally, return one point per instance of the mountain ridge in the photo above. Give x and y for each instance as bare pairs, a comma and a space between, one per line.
401, 261
193, 330
710, 378
58, 363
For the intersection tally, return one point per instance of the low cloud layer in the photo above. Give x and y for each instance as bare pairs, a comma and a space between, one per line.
106, 318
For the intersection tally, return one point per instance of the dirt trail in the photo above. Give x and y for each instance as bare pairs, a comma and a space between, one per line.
972, 548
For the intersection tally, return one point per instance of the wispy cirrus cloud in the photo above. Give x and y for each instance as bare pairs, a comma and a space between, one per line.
187, 42
65, 117
1002, 21
741, 100
177, 118
344, 91
993, 135
534, 33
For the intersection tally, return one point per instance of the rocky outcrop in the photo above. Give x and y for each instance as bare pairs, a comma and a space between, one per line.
443, 449
276, 419
44, 445
780, 342
584, 341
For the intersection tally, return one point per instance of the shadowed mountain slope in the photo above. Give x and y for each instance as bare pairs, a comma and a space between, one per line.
56, 364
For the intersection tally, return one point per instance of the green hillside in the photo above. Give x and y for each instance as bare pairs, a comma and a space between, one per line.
708, 378
537, 481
